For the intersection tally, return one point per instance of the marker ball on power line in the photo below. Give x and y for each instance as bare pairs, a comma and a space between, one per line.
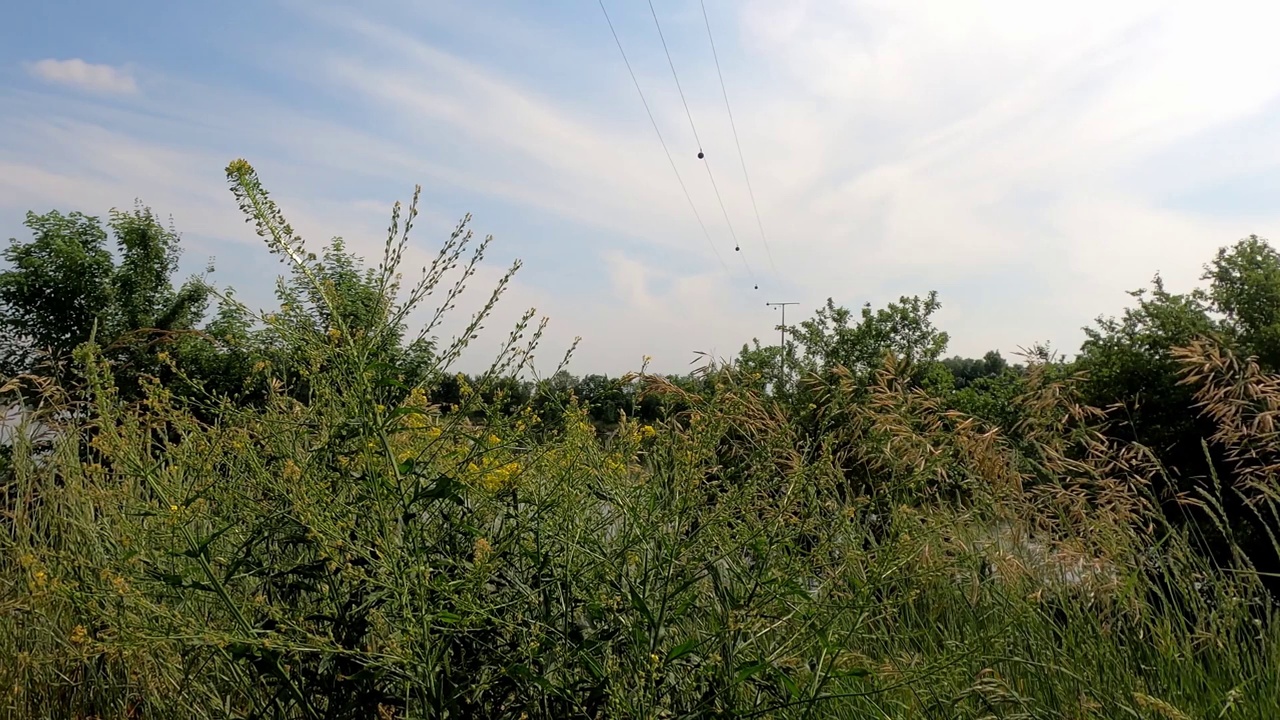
700, 155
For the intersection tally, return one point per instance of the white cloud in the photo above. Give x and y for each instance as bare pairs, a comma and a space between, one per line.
82, 75
996, 152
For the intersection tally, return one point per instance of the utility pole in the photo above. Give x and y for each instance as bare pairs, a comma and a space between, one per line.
782, 354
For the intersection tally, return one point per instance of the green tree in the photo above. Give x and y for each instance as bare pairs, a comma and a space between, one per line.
1132, 372
335, 298
57, 288
966, 371
63, 285
552, 395
1245, 289
763, 366
143, 292
605, 398
992, 398
904, 329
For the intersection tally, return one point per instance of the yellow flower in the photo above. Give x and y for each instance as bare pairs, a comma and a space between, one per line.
162, 356
647, 431
434, 432
79, 634
334, 334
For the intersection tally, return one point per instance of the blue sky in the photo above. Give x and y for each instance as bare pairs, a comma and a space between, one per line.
1032, 161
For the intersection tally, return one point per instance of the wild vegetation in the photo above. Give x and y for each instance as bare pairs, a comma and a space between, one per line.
307, 513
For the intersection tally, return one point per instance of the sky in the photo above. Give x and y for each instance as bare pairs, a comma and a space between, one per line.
1031, 161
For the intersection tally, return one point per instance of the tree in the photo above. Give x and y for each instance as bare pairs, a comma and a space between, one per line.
552, 396
966, 371
57, 289
761, 365
63, 286
336, 298
605, 398
1245, 288
992, 398
904, 329
1131, 371
143, 294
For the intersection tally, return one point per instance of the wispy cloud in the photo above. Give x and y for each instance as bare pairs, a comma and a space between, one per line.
1025, 159
82, 75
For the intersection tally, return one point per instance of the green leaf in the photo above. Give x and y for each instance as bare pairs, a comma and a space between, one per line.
788, 684
202, 547
638, 603
749, 669
683, 649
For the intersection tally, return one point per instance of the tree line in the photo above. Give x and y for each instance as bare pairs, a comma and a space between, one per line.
77, 278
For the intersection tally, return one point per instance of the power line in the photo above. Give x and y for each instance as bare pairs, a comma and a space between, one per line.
677, 77
741, 157
658, 132
737, 246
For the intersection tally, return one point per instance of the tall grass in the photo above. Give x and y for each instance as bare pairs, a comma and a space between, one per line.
335, 556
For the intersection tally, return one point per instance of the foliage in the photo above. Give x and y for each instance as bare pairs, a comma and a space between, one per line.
1132, 373
370, 534
1136, 371
967, 371
606, 399
1245, 289
57, 289
991, 398
63, 287
903, 329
